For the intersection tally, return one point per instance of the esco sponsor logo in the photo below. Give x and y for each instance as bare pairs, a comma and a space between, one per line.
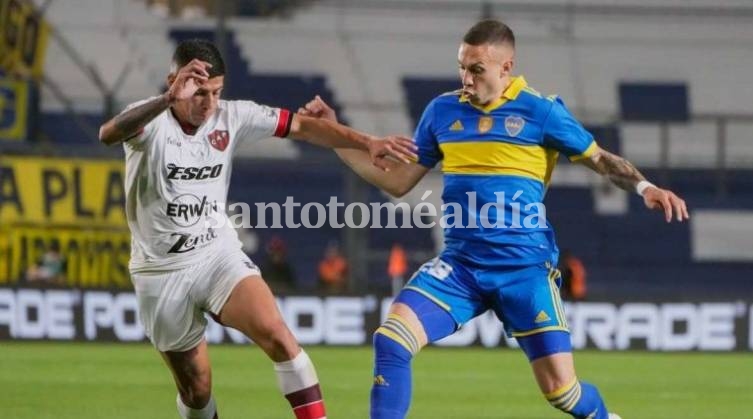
176, 172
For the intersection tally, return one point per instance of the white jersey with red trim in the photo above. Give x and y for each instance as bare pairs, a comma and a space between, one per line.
177, 184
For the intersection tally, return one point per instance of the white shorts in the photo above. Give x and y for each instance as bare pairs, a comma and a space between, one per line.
172, 303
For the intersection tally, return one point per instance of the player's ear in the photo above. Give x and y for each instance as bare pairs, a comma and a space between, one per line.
507, 66
170, 79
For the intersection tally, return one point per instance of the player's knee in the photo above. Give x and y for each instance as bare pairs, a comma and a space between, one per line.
395, 339
277, 341
196, 395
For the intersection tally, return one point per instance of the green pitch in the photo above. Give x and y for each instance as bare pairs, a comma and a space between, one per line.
81, 381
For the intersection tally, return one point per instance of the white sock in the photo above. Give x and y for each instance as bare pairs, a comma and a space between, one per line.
296, 374
206, 412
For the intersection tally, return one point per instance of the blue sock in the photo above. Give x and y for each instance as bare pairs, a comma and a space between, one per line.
394, 347
395, 344
580, 399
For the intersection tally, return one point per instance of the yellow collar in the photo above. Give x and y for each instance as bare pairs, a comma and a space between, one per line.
512, 91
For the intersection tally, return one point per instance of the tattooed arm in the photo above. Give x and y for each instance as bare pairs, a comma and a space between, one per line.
183, 84
620, 171
129, 124
624, 174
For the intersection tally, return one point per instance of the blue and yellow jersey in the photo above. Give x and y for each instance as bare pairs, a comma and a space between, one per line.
502, 155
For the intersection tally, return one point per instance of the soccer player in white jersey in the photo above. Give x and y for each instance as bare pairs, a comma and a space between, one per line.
179, 149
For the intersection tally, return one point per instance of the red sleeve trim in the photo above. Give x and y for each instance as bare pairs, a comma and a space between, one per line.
284, 121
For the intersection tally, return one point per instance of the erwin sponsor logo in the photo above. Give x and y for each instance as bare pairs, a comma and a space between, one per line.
187, 209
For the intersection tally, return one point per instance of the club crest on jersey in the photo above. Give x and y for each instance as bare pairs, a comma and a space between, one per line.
514, 125
219, 139
485, 123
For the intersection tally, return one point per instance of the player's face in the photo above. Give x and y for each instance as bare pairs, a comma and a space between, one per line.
204, 102
484, 71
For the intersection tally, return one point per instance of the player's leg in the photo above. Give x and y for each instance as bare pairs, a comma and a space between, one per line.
251, 308
395, 344
193, 377
527, 300
175, 325
419, 315
553, 367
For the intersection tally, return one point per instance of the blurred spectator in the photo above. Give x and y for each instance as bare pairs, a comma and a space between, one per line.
333, 270
50, 268
573, 277
397, 268
275, 268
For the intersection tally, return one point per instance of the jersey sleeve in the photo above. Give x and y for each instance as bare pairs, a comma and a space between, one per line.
565, 134
428, 147
256, 122
146, 133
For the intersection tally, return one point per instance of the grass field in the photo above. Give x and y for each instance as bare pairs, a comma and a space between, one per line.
82, 381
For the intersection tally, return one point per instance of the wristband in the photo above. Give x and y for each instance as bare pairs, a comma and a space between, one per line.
642, 186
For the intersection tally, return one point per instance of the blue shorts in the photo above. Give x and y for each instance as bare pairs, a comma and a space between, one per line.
525, 298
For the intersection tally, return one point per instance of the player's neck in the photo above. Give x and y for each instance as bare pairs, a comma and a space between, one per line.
506, 82
187, 127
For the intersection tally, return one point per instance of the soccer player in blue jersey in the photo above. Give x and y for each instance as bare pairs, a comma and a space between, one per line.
498, 141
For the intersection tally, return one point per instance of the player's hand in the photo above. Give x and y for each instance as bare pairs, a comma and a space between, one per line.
666, 200
396, 147
318, 108
188, 80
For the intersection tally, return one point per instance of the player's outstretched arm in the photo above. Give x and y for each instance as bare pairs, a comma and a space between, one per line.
183, 84
396, 179
330, 134
626, 176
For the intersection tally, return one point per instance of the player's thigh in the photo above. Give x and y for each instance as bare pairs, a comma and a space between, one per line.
427, 321
225, 271
252, 309
192, 373
526, 299
172, 319
439, 297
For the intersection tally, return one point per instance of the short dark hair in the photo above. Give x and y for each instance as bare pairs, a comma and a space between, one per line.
489, 32
203, 50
